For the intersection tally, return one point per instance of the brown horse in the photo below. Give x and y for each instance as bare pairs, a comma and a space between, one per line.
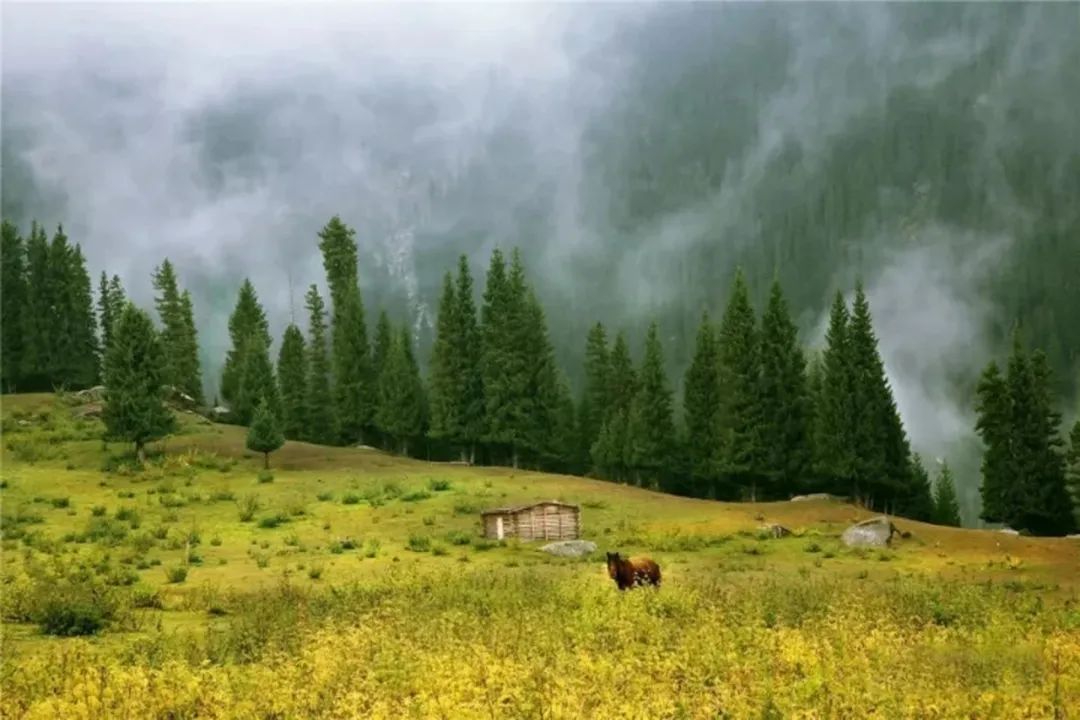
628, 572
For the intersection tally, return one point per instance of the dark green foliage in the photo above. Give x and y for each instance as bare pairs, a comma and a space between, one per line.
444, 380
401, 409
37, 351
257, 383
247, 321
468, 353
292, 382
383, 341
609, 451
1072, 470
784, 402
565, 449
650, 430
265, 435
740, 453
918, 503
594, 398
320, 424
1024, 467
178, 335
701, 401
882, 454
111, 301
833, 439
354, 382
946, 507
75, 606
13, 308
135, 410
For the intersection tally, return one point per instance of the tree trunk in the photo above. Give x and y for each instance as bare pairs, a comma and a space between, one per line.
472, 453
514, 456
405, 447
140, 452
464, 455
266, 461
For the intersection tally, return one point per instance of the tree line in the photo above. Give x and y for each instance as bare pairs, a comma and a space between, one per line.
760, 419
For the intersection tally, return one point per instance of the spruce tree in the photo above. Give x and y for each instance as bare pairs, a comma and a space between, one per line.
594, 398
541, 398
650, 427
292, 382
135, 408
993, 423
188, 365
354, 382
383, 340
248, 320
400, 413
85, 350
1046, 499
257, 383
111, 301
37, 352
13, 308
318, 410
444, 379
167, 303
946, 507
608, 452
881, 451
265, 434
919, 503
784, 398
565, 444
1072, 471
740, 454
833, 441
701, 402
468, 354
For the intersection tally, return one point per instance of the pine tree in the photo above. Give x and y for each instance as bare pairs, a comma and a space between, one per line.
565, 443
37, 352
540, 402
265, 434
919, 504
1047, 504
946, 507
468, 353
882, 454
292, 382
257, 383
701, 401
135, 408
444, 379
1072, 473
740, 459
86, 352
400, 413
248, 320
784, 397
111, 301
188, 365
650, 427
383, 340
833, 441
13, 308
609, 451
318, 410
993, 426
594, 398
354, 382
167, 303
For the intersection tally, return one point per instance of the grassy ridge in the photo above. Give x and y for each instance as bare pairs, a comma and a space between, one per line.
358, 583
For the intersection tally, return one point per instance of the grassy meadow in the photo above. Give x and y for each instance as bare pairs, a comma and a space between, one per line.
349, 583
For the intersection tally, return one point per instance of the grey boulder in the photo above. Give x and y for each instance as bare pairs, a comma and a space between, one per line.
875, 532
570, 548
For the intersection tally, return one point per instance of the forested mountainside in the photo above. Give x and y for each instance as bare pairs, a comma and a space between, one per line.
636, 161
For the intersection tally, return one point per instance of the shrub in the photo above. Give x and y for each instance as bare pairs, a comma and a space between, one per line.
392, 489
130, 516
373, 546
812, 547
485, 544
248, 506
415, 496
97, 510
223, 496
170, 500
292, 540
429, 520
106, 531
315, 572
60, 502
215, 541
464, 507
350, 498
457, 537
439, 551
265, 476
336, 548
438, 484
176, 574
325, 496
272, 521
145, 596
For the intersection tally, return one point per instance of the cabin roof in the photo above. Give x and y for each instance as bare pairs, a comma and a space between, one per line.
512, 509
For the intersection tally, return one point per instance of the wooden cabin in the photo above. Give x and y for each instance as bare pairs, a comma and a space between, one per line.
544, 520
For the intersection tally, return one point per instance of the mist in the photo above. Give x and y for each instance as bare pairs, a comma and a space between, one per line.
223, 136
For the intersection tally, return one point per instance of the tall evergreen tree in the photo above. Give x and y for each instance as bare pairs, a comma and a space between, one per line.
248, 320
833, 441
784, 397
383, 340
740, 459
1072, 472
919, 503
85, 350
565, 446
265, 434
993, 423
609, 451
13, 308
594, 398
292, 382
400, 414
946, 507
541, 398
443, 368
257, 383
651, 427
105, 312
135, 408
468, 353
189, 366
354, 381
37, 353
318, 410
701, 402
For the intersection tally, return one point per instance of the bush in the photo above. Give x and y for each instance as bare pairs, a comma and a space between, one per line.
106, 531
415, 496
464, 507
439, 551
272, 521
215, 541
248, 506
484, 544
325, 496
350, 498
73, 606
176, 574
812, 547
458, 537
60, 502
97, 510
130, 516
373, 546
438, 484
419, 543
223, 496
315, 572
146, 597
265, 476
392, 489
